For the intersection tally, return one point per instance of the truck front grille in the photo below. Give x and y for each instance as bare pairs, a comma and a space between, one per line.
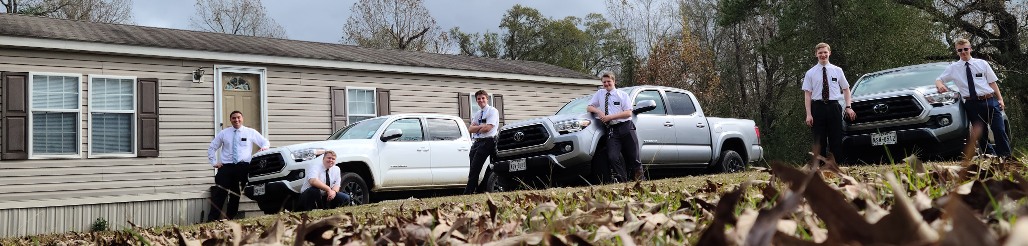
266, 164
521, 137
882, 109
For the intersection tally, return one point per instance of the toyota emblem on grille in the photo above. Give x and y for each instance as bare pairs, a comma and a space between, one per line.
519, 136
262, 163
881, 108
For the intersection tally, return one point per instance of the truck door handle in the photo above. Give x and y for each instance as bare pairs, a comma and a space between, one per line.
423, 149
669, 124
463, 149
701, 125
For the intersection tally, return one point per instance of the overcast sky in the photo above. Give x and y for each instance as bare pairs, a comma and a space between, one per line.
322, 20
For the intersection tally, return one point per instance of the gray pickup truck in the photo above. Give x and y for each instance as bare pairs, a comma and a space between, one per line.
900, 110
672, 128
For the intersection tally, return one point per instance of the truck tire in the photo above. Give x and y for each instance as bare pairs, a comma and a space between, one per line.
497, 183
354, 185
730, 162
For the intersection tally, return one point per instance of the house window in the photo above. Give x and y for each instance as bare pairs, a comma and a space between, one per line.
360, 104
112, 115
474, 103
54, 102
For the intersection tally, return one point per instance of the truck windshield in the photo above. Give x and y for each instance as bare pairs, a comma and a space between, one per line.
578, 105
898, 80
360, 130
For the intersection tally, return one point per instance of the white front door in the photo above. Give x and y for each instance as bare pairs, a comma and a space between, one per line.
406, 161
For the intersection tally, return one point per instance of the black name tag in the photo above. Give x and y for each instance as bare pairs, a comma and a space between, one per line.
978, 75
481, 121
244, 139
835, 79
617, 103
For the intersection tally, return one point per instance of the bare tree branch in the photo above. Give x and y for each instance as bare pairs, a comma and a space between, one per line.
239, 17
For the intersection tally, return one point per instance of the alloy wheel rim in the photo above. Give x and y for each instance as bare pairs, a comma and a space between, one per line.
356, 193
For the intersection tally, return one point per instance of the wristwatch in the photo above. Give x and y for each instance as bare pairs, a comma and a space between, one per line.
849, 107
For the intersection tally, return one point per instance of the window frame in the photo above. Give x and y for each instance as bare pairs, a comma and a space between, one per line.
349, 109
692, 101
431, 132
474, 103
660, 95
421, 125
134, 112
77, 111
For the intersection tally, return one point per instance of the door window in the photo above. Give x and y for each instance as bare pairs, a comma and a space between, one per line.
681, 103
655, 96
443, 129
411, 128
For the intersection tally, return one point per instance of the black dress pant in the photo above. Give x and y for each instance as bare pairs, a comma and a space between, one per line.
480, 150
314, 198
827, 127
225, 195
623, 150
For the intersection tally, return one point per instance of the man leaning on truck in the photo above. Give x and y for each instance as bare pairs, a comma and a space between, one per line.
983, 102
622, 141
236, 144
483, 129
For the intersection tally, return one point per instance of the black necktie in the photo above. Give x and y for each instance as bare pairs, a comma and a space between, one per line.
328, 181
973, 95
606, 104
824, 86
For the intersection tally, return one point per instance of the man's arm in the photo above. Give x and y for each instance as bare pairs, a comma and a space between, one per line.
806, 106
317, 183
212, 150
262, 141
849, 103
999, 96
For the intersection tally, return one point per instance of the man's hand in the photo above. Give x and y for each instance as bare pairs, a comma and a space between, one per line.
850, 114
1002, 106
942, 88
217, 165
330, 195
810, 121
262, 149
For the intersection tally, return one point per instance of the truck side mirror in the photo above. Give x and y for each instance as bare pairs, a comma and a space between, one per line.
391, 134
644, 106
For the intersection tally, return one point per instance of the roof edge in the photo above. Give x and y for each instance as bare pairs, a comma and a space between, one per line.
130, 50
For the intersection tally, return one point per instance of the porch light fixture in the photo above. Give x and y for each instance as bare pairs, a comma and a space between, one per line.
198, 75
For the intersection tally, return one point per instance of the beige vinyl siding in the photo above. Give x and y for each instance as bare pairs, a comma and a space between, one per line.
30, 221
298, 111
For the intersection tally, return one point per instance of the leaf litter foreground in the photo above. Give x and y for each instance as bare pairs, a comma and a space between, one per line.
975, 203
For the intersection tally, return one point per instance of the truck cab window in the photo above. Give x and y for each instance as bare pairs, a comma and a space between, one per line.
681, 103
443, 129
411, 128
652, 95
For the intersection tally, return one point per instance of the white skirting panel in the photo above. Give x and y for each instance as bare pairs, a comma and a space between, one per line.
59, 219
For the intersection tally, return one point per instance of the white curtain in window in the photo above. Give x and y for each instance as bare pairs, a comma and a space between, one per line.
54, 92
54, 133
112, 109
360, 104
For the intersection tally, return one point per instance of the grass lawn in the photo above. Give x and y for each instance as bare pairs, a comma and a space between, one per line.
792, 208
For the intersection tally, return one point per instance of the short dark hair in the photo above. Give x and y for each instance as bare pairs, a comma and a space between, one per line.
481, 92
235, 112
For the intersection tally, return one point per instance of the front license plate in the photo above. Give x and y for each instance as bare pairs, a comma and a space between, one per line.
878, 139
518, 165
258, 190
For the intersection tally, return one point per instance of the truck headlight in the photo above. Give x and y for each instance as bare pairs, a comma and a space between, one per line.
307, 154
944, 98
569, 126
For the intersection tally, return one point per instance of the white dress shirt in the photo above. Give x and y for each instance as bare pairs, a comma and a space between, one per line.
235, 144
316, 170
491, 116
617, 103
814, 79
981, 72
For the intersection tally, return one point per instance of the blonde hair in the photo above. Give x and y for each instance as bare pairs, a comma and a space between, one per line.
608, 75
822, 45
329, 152
961, 41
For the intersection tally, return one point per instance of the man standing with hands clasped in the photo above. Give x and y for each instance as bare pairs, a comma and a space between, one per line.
614, 108
483, 129
983, 102
823, 86
236, 144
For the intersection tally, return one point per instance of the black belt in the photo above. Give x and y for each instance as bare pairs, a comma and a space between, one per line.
485, 138
619, 123
237, 163
827, 101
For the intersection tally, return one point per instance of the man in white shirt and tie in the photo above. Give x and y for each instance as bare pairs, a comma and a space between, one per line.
483, 129
983, 102
232, 165
321, 188
614, 108
823, 86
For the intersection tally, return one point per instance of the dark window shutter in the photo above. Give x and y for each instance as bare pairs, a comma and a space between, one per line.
383, 102
148, 121
15, 122
498, 104
338, 117
464, 107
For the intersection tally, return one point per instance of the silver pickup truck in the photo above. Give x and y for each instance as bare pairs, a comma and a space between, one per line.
900, 110
672, 128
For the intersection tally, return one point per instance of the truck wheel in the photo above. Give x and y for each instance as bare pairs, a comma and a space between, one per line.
355, 186
497, 183
730, 162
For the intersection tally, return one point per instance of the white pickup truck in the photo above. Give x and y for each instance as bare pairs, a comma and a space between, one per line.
387, 153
